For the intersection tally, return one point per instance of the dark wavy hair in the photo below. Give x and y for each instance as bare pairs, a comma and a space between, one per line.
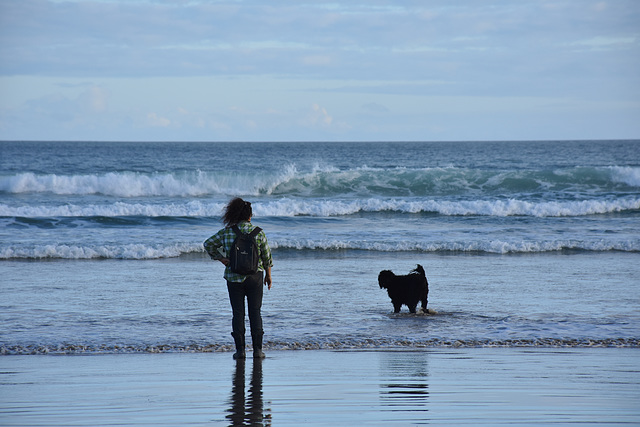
237, 210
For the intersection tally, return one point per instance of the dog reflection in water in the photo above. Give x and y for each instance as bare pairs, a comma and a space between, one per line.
406, 290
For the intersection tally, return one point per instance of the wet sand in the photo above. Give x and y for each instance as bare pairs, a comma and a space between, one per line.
466, 386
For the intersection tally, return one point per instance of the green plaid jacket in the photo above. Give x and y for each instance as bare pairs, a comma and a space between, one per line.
218, 246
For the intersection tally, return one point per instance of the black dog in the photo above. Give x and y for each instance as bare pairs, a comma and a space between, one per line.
407, 290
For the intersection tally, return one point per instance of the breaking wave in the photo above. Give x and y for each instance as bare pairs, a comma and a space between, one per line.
491, 246
138, 184
327, 182
485, 246
288, 207
130, 251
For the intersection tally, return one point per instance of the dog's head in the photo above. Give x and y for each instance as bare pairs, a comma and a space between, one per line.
385, 278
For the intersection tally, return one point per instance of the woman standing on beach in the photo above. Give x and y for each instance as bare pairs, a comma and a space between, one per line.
238, 214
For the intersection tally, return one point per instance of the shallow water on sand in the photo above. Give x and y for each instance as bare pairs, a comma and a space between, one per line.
331, 300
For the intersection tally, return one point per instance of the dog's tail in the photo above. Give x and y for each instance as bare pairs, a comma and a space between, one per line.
419, 270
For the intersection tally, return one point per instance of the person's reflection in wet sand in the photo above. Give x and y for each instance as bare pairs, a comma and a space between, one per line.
249, 411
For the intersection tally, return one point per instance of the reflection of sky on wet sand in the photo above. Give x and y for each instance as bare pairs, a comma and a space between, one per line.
404, 381
466, 386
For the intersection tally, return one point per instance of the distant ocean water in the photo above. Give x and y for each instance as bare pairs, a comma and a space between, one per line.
86, 205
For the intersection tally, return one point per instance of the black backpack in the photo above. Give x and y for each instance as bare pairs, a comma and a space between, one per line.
244, 255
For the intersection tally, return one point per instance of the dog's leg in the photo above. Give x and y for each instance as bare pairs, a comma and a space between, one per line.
412, 308
396, 307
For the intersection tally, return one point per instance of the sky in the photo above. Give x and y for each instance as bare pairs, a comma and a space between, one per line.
375, 70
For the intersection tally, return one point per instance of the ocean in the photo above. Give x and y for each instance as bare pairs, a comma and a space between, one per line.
525, 244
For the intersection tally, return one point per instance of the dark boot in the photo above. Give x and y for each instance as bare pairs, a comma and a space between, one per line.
240, 345
257, 347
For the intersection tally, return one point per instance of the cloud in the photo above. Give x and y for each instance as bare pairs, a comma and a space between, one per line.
345, 39
601, 6
296, 69
317, 60
606, 43
89, 102
318, 116
95, 99
374, 107
154, 120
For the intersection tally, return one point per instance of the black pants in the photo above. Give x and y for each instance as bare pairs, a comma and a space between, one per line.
251, 288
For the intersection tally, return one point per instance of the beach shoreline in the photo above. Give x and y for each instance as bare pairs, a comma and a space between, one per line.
530, 250
460, 386
369, 344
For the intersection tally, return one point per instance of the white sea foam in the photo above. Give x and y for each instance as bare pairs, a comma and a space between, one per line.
480, 246
131, 251
627, 175
145, 251
117, 209
287, 207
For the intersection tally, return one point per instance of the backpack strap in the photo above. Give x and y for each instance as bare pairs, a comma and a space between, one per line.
236, 230
255, 232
